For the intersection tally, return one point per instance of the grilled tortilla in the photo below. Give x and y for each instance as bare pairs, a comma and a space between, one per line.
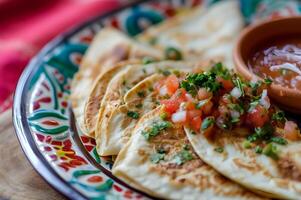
166, 166
114, 124
201, 33
273, 178
108, 48
91, 112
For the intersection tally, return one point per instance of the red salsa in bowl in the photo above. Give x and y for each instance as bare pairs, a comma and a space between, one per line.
280, 62
271, 50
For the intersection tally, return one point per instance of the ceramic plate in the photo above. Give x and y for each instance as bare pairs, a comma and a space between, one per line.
43, 120
44, 123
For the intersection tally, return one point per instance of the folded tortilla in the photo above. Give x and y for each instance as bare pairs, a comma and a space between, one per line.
279, 179
208, 33
109, 47
114, 124
169, 176
91, 111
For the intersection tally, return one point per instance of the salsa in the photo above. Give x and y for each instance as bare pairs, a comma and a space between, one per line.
280, 63
221, 100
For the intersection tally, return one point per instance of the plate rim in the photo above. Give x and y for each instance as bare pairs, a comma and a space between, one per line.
20, 124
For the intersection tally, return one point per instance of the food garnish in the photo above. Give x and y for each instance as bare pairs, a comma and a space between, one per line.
132, 114
158, 156
220, 99
219, 149
183, 156
155, 129
172, 53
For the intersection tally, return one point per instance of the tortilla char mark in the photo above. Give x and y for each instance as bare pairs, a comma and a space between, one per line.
289, 168
194, 172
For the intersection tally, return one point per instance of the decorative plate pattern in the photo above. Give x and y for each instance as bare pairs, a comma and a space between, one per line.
65, 157
45, 126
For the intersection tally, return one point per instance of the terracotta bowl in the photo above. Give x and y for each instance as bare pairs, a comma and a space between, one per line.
256, 36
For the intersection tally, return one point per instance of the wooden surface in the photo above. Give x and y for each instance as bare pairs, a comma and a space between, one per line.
18, 180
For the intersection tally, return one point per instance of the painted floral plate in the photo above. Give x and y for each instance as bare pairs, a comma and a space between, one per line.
44, 123
64, 156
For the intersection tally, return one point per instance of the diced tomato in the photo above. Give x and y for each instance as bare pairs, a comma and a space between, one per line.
204, 94
291, 131
227, 84
171, 105
226, 99
172, 84
190, 105
180, 95
258, 116
158, 85
194, 113
208, 133
215, 113
195, 123
207, 108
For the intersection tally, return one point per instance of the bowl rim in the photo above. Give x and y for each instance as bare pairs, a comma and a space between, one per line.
242, 68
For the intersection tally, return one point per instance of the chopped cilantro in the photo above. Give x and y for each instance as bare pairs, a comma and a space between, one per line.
255, 86
133, 114
147, 60
141, 93
270, 150
176, 72
166, 72
140, 105
246, 144
204, 80
278, 140
183, 156
193, 132
157, 157
279, 116
161, 150
262, 133
268, 81
151, 89
258, 149
219, 149
235, 120
156, 128
208, 121
221, 71
253, 105
238, 83
172, 53
236, 107
153, 41
163, 115
186, 147
200, 104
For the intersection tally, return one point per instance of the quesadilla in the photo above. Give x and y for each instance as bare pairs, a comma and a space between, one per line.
160, 161
233, 127
116, 120
108, 48
91, 111
200, 34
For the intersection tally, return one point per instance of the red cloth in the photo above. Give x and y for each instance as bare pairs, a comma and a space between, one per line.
27, 25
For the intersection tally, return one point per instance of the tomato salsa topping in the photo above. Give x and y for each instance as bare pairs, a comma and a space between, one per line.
222, 100
279, 62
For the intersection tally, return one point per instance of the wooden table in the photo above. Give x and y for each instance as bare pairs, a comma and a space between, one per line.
18, 180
